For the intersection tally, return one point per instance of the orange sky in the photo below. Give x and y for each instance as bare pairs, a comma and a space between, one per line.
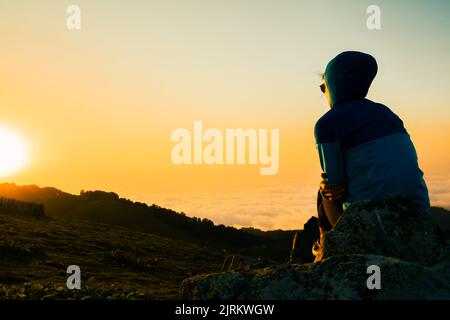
97, 106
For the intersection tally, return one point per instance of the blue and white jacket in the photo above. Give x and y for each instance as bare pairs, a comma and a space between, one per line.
363, 144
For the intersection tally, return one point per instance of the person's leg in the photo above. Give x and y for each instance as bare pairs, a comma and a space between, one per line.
324, 223
326, 210
333, 210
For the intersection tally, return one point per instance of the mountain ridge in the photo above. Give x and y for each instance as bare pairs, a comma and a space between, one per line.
120, 261
109, 208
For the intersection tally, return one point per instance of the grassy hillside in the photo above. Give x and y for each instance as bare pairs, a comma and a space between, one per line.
115, 262
125, 249
109, 208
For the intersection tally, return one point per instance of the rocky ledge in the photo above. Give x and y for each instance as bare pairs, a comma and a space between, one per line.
412, 254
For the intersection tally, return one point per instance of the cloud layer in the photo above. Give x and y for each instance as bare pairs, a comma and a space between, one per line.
286, 206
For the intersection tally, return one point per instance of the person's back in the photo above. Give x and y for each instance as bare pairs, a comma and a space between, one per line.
363, 145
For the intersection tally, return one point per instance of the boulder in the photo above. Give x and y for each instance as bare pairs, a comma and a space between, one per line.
305, 241
413, 257
388, 227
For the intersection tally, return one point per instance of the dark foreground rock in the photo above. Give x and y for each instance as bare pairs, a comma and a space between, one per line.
392, 228
413, 257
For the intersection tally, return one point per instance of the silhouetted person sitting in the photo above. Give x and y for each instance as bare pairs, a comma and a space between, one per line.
365, 151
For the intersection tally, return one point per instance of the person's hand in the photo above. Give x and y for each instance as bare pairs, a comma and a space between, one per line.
331, 191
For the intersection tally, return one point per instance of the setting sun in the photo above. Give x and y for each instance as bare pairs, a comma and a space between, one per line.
13, 152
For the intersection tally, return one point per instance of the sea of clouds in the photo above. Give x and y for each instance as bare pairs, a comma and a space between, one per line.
284, 206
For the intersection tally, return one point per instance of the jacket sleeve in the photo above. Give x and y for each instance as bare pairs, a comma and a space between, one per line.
330, 152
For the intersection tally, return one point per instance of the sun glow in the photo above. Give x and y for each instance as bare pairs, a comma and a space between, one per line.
13, 152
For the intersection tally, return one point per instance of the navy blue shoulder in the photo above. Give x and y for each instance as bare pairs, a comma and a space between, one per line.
324, 130
355, 122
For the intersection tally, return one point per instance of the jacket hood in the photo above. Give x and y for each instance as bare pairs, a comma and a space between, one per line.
349, 76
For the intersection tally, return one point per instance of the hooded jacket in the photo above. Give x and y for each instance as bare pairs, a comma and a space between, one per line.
362, 144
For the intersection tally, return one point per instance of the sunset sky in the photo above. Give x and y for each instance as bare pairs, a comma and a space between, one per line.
97, 106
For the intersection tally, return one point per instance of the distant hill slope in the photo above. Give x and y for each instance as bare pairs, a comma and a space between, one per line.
441, 217
109, 208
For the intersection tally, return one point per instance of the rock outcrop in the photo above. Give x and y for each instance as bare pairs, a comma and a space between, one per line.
305, 241
15, 207
411, 252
